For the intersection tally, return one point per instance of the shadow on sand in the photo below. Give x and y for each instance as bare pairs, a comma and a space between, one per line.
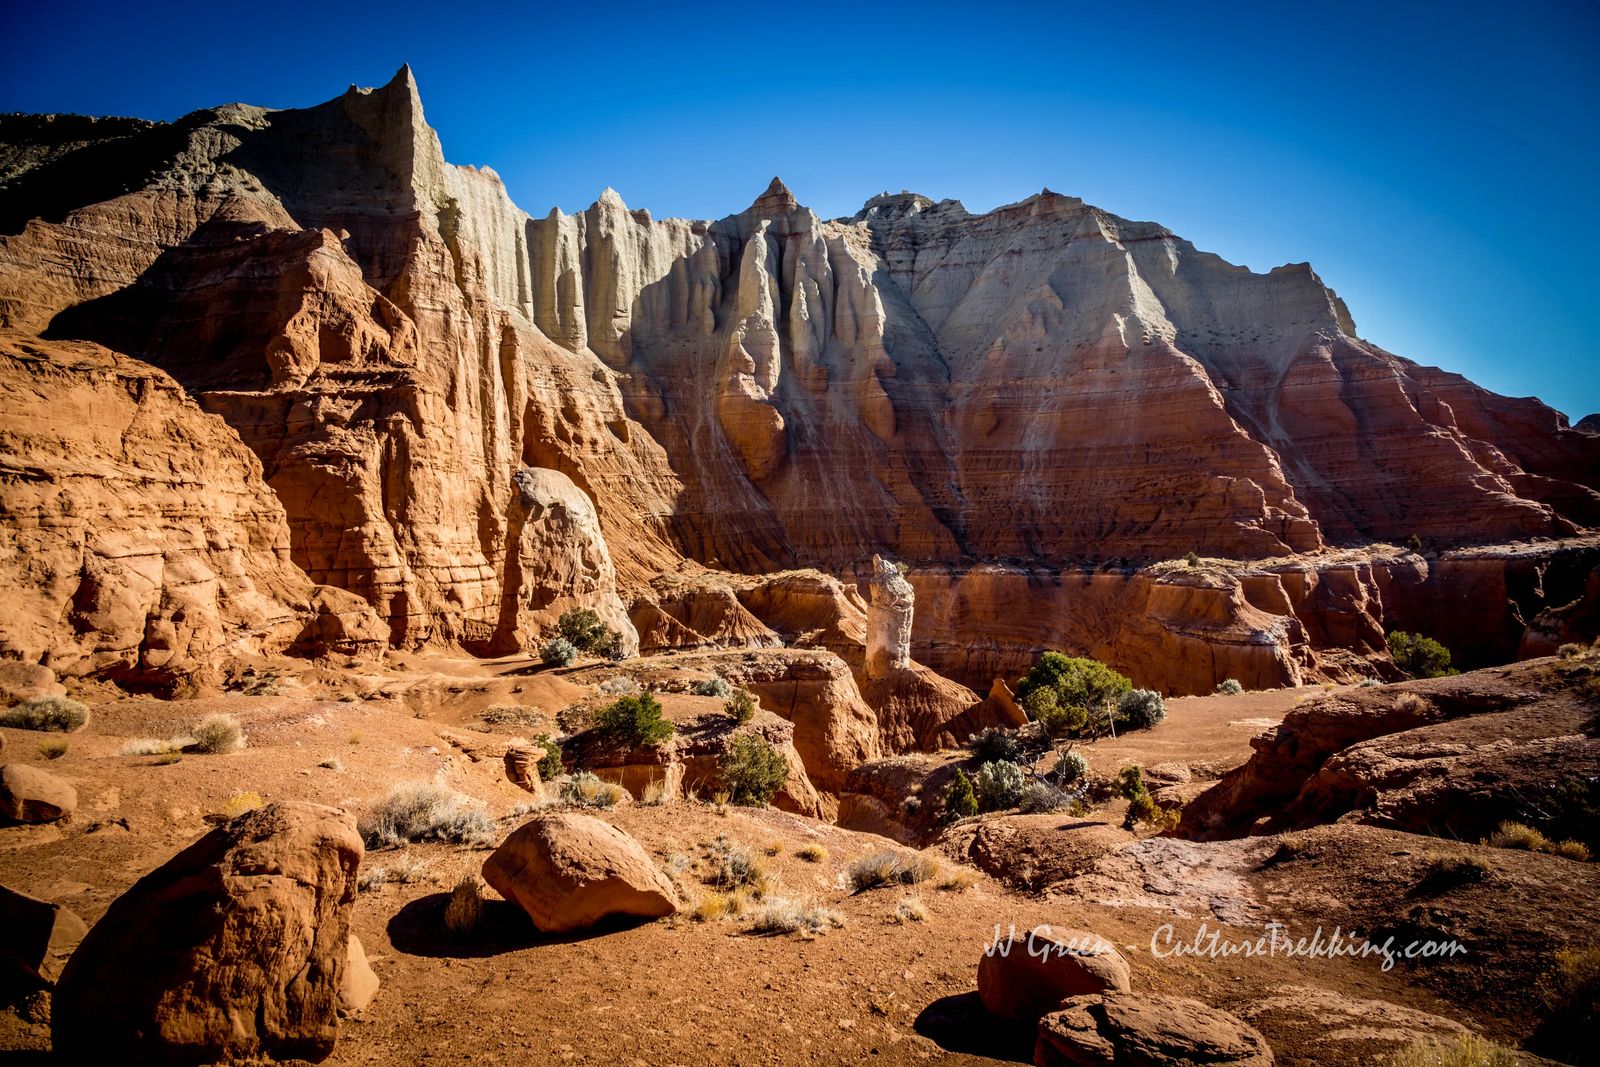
418, 929
962, 1024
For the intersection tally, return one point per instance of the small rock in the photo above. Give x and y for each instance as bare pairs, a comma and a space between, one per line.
1029, 974
359, 984
1151, 1030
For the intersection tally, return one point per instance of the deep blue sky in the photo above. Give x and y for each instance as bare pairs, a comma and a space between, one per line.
1438, 164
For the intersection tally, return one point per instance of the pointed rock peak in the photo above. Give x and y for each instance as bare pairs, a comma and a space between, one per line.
611, 198
403, 78
777, 199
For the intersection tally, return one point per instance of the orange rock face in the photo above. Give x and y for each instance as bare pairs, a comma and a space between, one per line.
1036, 387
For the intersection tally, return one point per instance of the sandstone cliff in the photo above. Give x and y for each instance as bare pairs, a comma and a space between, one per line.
1044, 385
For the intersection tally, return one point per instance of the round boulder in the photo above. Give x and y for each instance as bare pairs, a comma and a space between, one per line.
569, 872
1151, 1030
234, 949
1026, 974
29, 794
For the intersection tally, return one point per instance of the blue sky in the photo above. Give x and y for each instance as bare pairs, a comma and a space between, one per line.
1436, 163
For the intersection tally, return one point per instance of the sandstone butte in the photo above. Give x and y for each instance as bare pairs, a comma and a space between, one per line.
287, 380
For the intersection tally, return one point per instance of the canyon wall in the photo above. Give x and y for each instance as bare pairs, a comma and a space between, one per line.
1006, 399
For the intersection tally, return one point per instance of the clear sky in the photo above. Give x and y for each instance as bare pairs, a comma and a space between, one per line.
1435, 162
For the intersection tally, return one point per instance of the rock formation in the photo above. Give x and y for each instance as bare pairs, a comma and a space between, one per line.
569, 872
1045, 382
889, 616
1151, 1029
240, 945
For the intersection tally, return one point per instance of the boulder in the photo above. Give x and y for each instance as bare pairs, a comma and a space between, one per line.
522, 770
1146, 1030
360, 984
1025, 975
1321, 1023
40, 935
237, 947
30, 794
569, 872
24, 681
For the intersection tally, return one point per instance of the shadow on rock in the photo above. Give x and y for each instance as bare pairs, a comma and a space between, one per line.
418, 929
962, 1024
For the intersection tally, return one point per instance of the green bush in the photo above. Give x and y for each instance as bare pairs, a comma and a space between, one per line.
1071, 767
582, 627
960, 801
559, 652
46, 713
993, 743
1230, 687
1139, 709
712, 687
1130, 781
550, 764
998, 785
634, 721
1419, 656
753, 770
1076, 682
740, 706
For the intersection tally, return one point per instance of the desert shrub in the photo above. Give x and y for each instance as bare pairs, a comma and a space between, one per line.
1143, 808
1139, 709
332, 763
712, 687
1572, 850
582, 627
1419, 656
1079, 682
960, 801
550, 765
634, 721
1516, 835
1039, 797
909, 910
888, 868
783, 915
1467, 1051
510, 715
1231, 687
464, 911
46, 713
54, 747
1369, 683
1130, 781
713, 907
619, 686
753, 770
1061, 722
586, 790
425, 811
1071, 767
735, 865
1570, 651
1040, 702
993, 743
656, 793
1191, 558
217, 734
958, 880
403, 871
812, 853
998, 785
740, 705
559, 652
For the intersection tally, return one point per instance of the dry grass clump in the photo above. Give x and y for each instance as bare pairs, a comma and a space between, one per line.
586, 790
152, 746
54, 747
46, 713
909, 910
958, 880
332, 763
426, 811
403, 870
812, 853
1411, 703
464, 911
735, 866
216, 735
1444, 873
785, 915
888, 868
656, 793
1518, 836
1469, 1051
239, 803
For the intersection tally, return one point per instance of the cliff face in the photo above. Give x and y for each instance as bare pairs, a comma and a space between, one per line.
1046, 382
